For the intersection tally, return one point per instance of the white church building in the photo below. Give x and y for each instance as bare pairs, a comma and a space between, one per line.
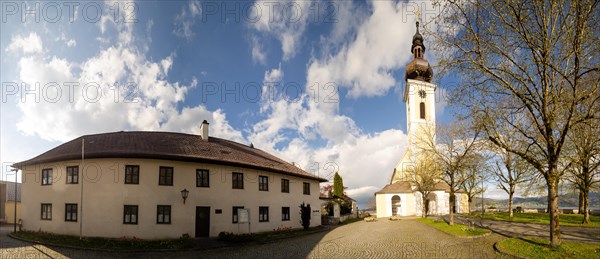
400, 197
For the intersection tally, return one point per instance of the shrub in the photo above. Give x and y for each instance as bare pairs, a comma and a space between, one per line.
235, 238
305, 215
345, 207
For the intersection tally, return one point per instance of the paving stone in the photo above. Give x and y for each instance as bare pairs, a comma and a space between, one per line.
405, 238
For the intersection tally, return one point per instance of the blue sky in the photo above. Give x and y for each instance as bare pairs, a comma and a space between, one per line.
317, 83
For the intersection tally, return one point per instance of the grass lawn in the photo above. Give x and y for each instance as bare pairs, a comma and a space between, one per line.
543, 218
539, 248
105, 243
456, 229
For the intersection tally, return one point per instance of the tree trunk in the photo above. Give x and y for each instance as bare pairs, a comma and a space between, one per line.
580, 207
451, 207
586, 204
553, 210
510, 203
470, 203
424, 208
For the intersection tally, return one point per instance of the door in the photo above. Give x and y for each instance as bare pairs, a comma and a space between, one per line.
202, 221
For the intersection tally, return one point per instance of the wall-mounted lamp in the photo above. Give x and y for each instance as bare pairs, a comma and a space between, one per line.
184, 194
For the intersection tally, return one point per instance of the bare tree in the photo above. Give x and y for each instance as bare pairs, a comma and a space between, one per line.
424, 175
529, 59
454, 149
475, 175
584, 171
511, 171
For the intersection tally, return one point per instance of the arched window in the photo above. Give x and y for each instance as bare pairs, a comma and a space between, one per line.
418, 51
396, 205
422, 110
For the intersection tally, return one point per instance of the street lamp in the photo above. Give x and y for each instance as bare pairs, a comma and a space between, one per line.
15, 201
184, 194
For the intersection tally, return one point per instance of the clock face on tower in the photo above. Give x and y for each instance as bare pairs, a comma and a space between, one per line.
422, 93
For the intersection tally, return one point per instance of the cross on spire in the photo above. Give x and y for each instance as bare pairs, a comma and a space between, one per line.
418, 15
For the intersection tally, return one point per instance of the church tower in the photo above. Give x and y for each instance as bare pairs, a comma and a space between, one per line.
401, 197
419, 96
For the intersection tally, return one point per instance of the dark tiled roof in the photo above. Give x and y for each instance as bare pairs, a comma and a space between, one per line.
397, 187
169, 146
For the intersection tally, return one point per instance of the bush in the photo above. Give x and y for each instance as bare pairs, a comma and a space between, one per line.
305, 215
186, 241
235, 238
345, 207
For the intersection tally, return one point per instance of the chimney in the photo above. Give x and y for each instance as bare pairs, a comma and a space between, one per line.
204, 130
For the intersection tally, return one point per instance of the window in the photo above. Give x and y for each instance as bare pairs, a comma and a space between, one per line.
285, 213
72, 174
234, 214
306, 188
163, 214
285, 185
263, 214
71, 212
237, 181
46, 211
422, 110
47, 176
132, 174
202, 178
165, 176
130, 214
263, 183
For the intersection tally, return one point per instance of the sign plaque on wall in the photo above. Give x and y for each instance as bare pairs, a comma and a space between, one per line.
243, 216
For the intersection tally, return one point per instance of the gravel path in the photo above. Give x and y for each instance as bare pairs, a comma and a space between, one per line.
406, 238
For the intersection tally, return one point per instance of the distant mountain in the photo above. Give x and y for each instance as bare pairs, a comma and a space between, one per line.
567, 200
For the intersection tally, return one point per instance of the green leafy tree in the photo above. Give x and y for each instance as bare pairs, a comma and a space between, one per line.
338, 185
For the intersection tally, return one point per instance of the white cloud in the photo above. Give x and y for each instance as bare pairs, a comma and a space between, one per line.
274, 75
71, 43
362, 159
95, 105
492, 192
119, 88
365, 162
28, 45
123, 23
66, 41
286, 21
258, 55
365, 64
185, 20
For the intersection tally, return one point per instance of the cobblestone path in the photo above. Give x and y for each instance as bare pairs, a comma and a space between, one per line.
382, 239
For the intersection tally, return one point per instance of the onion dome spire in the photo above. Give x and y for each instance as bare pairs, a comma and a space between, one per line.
418, 68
